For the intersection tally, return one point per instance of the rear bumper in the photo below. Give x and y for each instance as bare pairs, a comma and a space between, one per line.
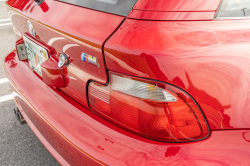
75, 136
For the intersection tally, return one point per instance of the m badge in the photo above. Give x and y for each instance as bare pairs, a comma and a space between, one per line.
90, 59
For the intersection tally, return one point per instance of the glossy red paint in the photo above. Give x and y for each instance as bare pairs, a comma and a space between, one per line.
73, 31
208, 59
53, 75
180, 5
161, 15
76, 136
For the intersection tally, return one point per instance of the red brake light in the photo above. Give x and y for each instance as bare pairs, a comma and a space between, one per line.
152, 109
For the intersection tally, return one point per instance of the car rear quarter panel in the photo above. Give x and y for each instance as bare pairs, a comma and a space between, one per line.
208, 59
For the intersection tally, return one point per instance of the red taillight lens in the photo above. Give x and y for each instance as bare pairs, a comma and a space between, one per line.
152, 109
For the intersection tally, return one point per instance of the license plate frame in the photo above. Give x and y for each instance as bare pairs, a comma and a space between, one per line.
36, 54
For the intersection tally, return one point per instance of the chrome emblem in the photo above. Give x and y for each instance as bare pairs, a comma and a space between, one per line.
63, 60
31, 29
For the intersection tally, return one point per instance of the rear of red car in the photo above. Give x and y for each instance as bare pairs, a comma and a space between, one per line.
127, 82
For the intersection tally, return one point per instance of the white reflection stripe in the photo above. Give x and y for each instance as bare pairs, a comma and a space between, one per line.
5, 24
3, 20
67, 46
6, 98
3, 80
51, 41
16, 31
72, 78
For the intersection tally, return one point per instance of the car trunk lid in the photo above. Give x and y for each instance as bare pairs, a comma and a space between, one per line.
71, 29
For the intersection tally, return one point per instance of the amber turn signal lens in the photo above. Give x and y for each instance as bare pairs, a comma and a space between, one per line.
151, 109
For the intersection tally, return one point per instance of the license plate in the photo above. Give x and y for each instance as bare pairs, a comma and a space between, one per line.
36, 55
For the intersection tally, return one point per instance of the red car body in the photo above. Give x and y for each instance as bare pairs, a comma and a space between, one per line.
175, 42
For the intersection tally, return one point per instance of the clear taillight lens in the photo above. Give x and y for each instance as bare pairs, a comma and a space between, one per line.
152, 109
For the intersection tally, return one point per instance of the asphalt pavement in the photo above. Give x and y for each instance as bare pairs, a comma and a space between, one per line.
18, 144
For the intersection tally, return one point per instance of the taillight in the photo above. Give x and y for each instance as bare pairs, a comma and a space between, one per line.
151, 109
